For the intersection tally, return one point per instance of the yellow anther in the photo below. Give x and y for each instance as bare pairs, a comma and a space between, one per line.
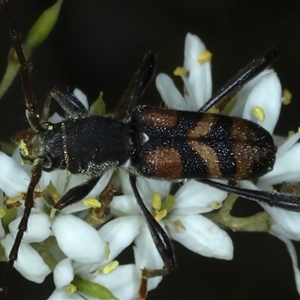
178, 226
259, 113
160, 215
204, 57
156, 201
110, 267
287, 97
179, 71
2, 213
216, 205
71, 288
92, 202
298, 129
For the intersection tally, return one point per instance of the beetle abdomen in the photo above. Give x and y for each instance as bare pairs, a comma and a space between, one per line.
178, 144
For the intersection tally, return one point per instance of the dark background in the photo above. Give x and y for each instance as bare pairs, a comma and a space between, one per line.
98, 45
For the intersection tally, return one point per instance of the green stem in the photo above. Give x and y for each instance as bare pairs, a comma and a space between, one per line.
260, 222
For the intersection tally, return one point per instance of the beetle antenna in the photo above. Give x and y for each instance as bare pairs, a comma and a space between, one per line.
25, 68
283, 200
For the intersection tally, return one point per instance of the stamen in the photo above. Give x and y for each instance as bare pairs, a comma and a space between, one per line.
180, 71
259, 113
71, 289
286, 97
92, 202
160, 215
110, 267
156, 201
204, 57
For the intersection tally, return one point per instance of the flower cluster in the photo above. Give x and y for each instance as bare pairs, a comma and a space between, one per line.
82, 257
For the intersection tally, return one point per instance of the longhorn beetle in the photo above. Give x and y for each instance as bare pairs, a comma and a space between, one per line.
148, 141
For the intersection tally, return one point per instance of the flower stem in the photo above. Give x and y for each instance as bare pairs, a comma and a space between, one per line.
260, 222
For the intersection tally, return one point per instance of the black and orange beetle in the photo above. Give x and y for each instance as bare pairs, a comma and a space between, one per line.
149, 141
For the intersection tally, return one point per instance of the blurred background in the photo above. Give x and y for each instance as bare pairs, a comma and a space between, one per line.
98, 45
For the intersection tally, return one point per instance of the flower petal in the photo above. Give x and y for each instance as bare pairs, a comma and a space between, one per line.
147, 187
147, 256
286, 168
196, 197
199, 82
38, 228
78, 240
124, 205
63, 273
287, 223
55, 118
200, 235
169, 93
101, 184
123, 282
29, 263
120, 233
81, 97
58, 178
13, 179
243, 94
266, 94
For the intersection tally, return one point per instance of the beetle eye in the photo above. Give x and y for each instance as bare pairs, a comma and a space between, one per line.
47, 163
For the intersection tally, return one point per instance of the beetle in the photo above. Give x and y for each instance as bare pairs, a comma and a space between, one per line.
152, 141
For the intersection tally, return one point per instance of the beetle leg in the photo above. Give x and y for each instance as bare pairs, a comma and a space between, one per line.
283, 200
160, 238
69, 103
76, 193
136, 88
161, 241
